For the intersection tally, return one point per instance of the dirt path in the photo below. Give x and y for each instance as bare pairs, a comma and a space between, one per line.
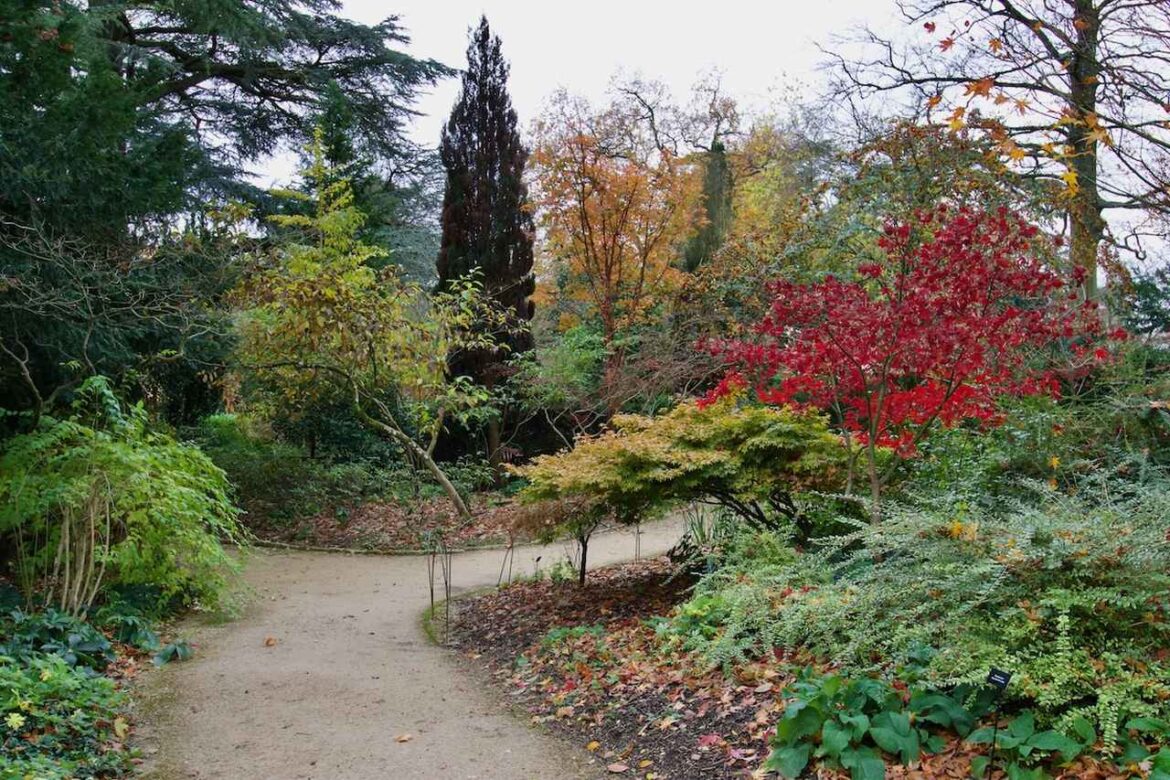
350, 670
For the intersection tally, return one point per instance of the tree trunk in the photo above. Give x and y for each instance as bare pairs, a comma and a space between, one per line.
1084, 73
495, 452
875, 484
584, 542
421, 454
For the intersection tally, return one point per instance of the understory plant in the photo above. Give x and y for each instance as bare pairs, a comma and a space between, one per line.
99, 498
1071, 592
748, 459
59, 721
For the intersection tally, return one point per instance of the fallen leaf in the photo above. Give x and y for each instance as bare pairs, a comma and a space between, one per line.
404, 738
270, 641
121, 727
616, 769
592, 746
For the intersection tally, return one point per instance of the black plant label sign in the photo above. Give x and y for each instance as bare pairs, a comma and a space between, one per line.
999, 678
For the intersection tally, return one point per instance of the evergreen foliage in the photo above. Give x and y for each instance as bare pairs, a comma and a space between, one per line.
1069, 591
487, 219
122, 132
717, 207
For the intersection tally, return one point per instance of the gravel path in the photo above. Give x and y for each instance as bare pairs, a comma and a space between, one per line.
329, 665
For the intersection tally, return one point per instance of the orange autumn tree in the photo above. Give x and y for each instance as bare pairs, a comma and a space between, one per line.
615, 206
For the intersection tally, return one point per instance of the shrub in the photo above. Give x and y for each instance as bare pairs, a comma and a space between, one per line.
267, 475
75, 641
848, 723
99, 498
746, 458
855, 722
277, 481
1071, 592
59, 721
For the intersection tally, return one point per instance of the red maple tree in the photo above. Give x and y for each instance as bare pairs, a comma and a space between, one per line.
961, 312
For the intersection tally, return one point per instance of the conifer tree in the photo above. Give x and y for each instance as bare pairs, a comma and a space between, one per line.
486, 220
717, 209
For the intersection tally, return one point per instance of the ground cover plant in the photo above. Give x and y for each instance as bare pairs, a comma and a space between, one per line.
893, 351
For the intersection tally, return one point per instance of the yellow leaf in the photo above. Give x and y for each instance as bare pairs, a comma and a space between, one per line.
592, 746
121, 728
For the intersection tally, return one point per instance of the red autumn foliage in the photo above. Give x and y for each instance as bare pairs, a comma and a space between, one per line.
961, 313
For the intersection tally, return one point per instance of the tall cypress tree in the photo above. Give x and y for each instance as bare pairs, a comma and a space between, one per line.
717, 206
486, 220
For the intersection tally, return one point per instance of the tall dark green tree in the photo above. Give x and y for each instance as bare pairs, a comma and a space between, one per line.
400, 195
121, 127
486, 220
716, 209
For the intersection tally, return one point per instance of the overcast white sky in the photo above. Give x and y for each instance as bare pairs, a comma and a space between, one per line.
759, 46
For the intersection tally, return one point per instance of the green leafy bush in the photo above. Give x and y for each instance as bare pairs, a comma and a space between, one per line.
25, 635
268, 475
693, 623
849, 723
1071, 592
855, 723
1021, 745
99, 498
128, 625
278, 481
59, 721
746, 458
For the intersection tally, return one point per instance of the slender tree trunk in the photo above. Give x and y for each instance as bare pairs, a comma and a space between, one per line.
419, 453
583, 541
875, 484
495, 449
1084, 73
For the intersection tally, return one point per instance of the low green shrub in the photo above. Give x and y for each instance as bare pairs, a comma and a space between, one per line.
25, 635
278, 481
268, 476
849, 723
100, 498
59, 721
860, 723
1070, 592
